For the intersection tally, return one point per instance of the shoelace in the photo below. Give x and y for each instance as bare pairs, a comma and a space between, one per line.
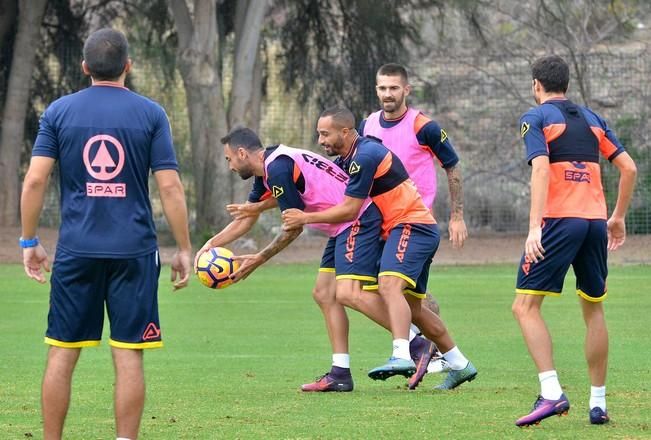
319, 378
537, 403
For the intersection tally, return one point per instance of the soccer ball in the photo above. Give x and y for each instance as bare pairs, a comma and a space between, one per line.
214, 267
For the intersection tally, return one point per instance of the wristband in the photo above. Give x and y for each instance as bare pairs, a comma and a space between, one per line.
28, 243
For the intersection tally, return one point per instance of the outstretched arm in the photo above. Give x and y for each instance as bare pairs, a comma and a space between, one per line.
347, 210
249, 263
457, 226
249, 209
234, 230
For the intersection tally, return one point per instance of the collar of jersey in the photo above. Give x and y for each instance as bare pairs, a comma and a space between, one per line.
353, 147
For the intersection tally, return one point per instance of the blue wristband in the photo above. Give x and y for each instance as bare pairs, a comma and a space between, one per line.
28, 243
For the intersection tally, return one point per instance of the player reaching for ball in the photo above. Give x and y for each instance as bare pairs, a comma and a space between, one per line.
301, 179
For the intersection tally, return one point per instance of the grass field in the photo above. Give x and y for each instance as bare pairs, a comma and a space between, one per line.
234, 359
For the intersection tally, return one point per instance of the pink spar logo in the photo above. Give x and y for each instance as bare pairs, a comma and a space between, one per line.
102, 166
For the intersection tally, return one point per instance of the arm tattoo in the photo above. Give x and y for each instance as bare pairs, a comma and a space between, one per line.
456, 191
279, 243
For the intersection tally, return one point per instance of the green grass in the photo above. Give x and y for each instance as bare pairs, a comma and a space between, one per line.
234, 359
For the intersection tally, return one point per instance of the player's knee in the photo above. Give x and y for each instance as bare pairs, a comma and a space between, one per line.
388, 286
345, 297
522, 308
323, 296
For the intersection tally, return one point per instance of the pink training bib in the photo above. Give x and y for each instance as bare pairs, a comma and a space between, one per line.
401, 140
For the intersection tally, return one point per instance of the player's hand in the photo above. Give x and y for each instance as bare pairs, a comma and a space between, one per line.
181, 269
293, 219
203, 249
533, 249
242, 210
248, 263
458, 232
616, 233
33, 259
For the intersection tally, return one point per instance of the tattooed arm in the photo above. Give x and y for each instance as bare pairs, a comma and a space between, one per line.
249, 263
457, 226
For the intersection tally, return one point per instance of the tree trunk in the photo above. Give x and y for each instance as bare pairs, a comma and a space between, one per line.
246, 89
198, 64
198, 52
8, 11
15, 107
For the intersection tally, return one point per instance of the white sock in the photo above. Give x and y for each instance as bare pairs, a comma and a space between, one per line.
412, 334
456, 359
550, 388
341, 360
598, 397
415, 330
401, 349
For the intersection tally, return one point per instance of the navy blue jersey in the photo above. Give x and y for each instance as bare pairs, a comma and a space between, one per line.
282, 173
429, 134
106, 140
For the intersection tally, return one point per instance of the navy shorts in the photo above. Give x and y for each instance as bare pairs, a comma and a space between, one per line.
408, 253
354, 252
82, 286
579, 242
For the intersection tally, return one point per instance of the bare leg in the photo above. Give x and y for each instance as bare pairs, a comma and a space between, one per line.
391, 288
596, 341
430, 324
350, 294
334, 313
55, 398
129, 391
526, 309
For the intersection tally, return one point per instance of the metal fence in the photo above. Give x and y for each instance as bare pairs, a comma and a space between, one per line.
478, 101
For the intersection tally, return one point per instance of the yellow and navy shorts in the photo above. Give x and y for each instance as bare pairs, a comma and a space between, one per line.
408, 253
82, 287
354, 252
581, 243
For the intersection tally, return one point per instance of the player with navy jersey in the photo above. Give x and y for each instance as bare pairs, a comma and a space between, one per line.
410, 234
568, 225
106, 140
420, 143
293, 178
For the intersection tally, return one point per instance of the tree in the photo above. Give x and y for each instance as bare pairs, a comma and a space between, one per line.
323, 57
30, 14
201, 42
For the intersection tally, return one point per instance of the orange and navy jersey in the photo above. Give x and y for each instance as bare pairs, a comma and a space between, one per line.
572, 137
377, 173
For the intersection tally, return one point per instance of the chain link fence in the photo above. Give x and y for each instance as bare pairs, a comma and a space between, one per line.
478, 101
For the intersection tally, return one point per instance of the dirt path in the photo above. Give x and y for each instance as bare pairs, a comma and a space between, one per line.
478, 250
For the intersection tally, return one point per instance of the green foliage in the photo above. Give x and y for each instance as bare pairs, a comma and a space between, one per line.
234, 359
332, 50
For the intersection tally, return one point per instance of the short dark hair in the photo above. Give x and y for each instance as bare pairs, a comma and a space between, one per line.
552, 72
242, 137
394, 69
341, 116
106, 52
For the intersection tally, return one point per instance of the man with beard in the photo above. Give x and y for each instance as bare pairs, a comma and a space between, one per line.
304, 180
418, 141
410, 234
